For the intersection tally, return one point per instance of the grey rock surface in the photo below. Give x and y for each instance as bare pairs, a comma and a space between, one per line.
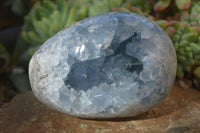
117, 64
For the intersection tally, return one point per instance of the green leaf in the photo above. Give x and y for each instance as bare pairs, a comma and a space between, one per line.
83, 12
183, 4
181, 58
197, 72
195, 48
71, 17
40, 29
20, 81
34, 38
53, 29
161, 5
187, 36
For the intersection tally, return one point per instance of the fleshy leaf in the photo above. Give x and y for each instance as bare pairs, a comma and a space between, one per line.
183, 4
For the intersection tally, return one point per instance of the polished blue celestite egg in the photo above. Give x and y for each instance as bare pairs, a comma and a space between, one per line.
117, 64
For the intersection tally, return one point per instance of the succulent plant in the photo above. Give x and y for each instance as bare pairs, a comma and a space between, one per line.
192, 17
185, 35
44, 20
187, 44
163, 4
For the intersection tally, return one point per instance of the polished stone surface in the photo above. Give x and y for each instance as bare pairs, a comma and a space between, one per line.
113, 65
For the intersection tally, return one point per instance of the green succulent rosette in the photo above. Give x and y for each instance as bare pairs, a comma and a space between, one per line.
180, 4
187, 44
185, 35
45, 19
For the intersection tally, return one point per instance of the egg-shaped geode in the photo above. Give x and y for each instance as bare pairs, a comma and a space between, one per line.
117, 64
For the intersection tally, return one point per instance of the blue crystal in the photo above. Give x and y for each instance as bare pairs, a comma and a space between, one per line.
86, 74
117, 64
